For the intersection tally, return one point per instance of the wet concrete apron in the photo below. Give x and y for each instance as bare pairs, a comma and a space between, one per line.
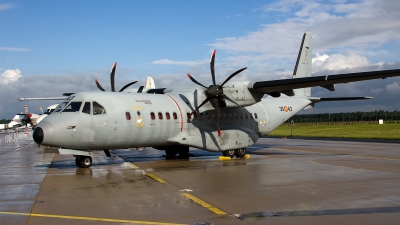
283, 182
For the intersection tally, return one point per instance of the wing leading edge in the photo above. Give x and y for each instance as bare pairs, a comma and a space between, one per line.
288, 85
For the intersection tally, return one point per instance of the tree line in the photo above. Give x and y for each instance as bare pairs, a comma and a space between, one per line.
358, 116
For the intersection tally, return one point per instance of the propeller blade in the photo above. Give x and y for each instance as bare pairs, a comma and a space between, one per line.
41, 109
127, 86
140, 89
218, 115
195, 81
226, 97
112, 76
98, 85
212, 66
204, 102
232, 75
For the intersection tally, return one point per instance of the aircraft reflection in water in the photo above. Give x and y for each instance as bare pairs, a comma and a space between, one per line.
226, 117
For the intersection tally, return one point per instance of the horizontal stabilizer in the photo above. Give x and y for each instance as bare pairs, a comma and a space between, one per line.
314, 99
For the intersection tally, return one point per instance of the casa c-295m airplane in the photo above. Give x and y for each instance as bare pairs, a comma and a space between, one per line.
224, 117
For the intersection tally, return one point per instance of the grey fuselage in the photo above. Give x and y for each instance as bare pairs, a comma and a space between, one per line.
133, 120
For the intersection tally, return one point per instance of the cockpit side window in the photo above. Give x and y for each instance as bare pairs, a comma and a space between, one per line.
98, 109
86, 108
73, 107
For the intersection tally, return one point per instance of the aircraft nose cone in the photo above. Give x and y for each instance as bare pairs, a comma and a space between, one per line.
38, 135
44, 133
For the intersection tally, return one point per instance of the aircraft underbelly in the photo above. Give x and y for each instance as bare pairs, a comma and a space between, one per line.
211, 141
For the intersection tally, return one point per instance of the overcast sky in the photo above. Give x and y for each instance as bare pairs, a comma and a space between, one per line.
51, 47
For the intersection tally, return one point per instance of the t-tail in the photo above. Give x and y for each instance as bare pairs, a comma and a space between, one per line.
303, 63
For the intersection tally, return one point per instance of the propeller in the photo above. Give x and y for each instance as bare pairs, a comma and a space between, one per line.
215, 92
112, 78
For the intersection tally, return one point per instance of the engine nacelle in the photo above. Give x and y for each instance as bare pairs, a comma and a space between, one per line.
238, 92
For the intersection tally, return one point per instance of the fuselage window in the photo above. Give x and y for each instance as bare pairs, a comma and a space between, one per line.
73, 107
153, 117
230, 116
188, 116
213, 115
251, 116
160, 116
201, 116
98, 109
86, 108
225, 116
207, 116
195, 116
174, 116
235, 116
255, 115
246, 116
241, 115
127, 116
167, 116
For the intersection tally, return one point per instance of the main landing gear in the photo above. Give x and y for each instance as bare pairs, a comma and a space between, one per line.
239, 153
183, 152
83, 161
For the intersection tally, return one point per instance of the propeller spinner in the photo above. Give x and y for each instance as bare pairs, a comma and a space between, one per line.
112, 78
215, 92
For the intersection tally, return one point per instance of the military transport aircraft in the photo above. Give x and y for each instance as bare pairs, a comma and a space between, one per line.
225, 117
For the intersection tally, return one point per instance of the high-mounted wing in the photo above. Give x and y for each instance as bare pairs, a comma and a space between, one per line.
274, 87
50, 98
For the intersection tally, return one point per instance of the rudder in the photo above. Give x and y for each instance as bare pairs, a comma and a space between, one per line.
304, 62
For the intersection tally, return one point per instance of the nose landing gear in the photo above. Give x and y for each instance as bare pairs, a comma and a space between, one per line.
83, 161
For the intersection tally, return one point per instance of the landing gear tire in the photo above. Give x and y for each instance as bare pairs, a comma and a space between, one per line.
184, 152
230, 153
171, 153
83, 161
240, 153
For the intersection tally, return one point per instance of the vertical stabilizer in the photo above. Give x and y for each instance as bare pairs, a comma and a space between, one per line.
150, 83
303, 63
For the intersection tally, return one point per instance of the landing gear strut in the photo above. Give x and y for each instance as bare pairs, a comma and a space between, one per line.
83, 161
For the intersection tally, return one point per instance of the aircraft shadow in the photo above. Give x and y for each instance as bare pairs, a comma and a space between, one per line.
323, 212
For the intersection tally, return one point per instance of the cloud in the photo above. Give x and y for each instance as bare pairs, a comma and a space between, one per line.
14, 49
10, 76
6, 7
172, 62
338, 61
341, 27
393, 88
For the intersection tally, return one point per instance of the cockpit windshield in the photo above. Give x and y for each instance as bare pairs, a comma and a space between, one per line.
60, 106
72, 107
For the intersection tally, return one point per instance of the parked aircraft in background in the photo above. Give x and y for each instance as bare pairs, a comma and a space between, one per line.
47, 112
21, 120
224, 117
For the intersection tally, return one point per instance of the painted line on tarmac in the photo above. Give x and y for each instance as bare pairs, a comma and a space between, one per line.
134, 166
339, 154
88, 218
191, 197
155, 178
204, 204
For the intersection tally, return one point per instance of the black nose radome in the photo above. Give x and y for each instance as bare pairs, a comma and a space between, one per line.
38, 135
